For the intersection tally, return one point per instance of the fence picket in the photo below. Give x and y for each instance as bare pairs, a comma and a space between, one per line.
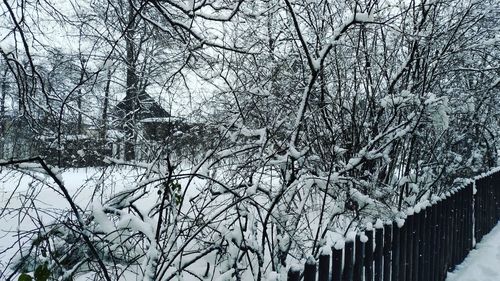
348, 262
310, 270
359, 258
396, 242
378, 255
324, 267
416, 241
294, 274
337, 264
402, 251
387, 252
369, 256
410, 229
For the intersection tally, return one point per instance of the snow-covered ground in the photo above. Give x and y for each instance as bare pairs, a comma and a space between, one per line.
482, 263
42, 201
18, 190
90, 185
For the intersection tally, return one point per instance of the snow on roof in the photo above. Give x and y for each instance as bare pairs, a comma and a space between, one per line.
143, 106
160, 119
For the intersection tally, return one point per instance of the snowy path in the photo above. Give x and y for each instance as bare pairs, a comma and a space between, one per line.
482, 263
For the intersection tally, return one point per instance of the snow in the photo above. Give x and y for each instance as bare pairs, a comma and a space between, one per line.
325, 250
339, 244
294, 153
488, 173
310, 260
86, 188
400, 222
6, 47
351, 236
272, 276
369, 226
363, 17
482, 263
363, 238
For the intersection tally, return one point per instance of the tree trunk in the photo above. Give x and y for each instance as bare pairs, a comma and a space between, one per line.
104, 116
2, 112
131, 92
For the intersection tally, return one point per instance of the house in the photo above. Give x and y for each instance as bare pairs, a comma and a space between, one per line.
140, 128
142, 124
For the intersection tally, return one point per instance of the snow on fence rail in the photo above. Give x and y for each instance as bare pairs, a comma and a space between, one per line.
431, 242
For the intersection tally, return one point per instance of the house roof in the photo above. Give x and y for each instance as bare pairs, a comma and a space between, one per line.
141, 107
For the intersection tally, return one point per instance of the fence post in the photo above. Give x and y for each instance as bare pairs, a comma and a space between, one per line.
470, 216
462, 230
379, 247
402, 251
491, 205
479, 210
409, 246
475, 211
293, 274
443, 225
396, 254
427, 232
496, 183
436, 239
416, 242
387, 252
451, 239
310, 269
337, 264
348, 263
457, 246
369, 256
493, 202
324, 267
359, 258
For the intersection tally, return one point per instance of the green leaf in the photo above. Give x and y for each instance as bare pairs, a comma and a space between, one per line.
42, 273
24, 277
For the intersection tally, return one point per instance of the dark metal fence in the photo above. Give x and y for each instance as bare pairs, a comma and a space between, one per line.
431, 242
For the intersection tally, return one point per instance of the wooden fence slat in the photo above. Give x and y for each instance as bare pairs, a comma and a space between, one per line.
410, 236
443, 225
293, 274
426, 229
470, 216
450, 239
421, 244
416, 241
396, 243
359, 258
455, 228
310, 270
434, 251
379, 253
337, 255
324, 267
369, 256
462, 227
402, 251
348, 261
387, 251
